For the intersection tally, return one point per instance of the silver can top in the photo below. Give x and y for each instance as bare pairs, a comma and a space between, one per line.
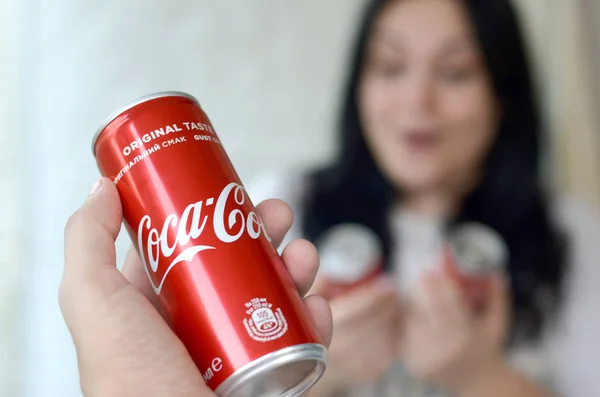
478, 249
289, 372
348, 252
134, 103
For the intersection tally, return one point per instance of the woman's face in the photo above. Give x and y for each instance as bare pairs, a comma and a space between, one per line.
425, 99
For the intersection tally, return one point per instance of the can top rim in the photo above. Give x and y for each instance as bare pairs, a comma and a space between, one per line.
484, 237
132, 104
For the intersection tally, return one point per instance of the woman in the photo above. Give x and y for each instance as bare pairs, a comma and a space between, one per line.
440, 126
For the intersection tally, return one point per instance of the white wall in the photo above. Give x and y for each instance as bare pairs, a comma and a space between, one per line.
266, 72
10, 183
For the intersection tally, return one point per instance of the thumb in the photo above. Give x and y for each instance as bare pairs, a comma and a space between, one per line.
495, 319
364, 300
90, 273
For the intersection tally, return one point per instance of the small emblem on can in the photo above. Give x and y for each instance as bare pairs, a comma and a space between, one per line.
264, 324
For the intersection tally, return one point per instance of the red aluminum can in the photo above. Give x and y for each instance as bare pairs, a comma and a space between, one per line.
474, 252
351, 256
224, 289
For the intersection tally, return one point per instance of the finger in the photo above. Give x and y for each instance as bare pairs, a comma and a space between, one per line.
495, 318
382, 325
134, 272
365, 334
90, 273
375, 324
378, 352
413, 331
419, 303
450, 303
302, 262
277, 217
365, 300
321, 315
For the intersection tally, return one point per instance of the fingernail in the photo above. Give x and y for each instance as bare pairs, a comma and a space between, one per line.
96, 187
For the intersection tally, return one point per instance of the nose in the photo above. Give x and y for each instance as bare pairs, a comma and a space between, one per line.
417, 94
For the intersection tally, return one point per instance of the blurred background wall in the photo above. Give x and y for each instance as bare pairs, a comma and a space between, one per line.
267, 72
576, 111
12, 265
565, 43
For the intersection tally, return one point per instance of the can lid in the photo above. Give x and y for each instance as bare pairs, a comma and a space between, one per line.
479, 249
133, 104
287, 372
348, 252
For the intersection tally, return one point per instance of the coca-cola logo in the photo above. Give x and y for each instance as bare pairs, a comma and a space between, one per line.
229, 224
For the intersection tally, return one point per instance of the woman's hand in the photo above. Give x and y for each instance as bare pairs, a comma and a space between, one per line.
124, 347
449, 344
364, 343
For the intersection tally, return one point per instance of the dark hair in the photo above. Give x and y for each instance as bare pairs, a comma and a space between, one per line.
510, 197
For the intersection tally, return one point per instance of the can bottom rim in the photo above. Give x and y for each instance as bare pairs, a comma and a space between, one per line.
248, 374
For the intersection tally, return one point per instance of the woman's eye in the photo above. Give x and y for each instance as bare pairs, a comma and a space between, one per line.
389, 70
456, 75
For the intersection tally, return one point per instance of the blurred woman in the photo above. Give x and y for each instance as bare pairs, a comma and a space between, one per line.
440, 126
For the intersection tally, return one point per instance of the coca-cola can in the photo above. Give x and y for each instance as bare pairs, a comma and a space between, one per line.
475, 252
351, 256
223, 287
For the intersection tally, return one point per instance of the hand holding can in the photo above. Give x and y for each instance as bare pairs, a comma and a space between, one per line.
473, 254
206, 252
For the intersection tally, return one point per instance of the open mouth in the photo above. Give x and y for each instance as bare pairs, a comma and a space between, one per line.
421, 140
